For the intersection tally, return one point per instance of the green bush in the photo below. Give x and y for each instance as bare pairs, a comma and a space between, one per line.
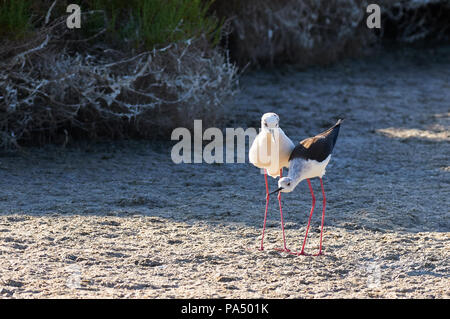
149, 23
173, 20
139, 23
14, 18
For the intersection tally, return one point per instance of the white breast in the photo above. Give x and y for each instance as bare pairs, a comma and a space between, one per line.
301, 169
264, 153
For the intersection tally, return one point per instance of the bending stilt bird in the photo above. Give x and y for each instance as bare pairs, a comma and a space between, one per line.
308, 160
270, 151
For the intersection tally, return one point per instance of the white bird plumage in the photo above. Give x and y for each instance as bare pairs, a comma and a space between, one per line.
301, 169
270, 151
271, 148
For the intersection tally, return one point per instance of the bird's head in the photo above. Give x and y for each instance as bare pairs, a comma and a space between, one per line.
285, 185
270, 123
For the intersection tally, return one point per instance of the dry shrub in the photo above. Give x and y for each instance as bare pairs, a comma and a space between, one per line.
310, 32
50, 93
295, 31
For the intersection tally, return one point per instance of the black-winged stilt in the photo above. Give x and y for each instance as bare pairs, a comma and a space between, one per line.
309, 160
270, 151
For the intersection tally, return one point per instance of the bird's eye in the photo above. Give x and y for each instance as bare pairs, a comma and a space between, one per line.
265, 124
289, 184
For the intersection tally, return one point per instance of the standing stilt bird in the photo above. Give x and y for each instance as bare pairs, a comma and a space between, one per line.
308, 160
270, 151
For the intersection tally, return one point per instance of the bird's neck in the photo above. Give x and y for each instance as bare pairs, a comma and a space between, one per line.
296, 171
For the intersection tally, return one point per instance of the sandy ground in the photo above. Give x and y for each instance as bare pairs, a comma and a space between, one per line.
121, 220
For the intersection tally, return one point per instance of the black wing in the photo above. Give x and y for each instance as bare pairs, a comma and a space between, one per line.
318, 147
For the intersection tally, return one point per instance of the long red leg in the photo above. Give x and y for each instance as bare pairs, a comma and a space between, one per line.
281, 215
310, 215
265, 213
323, 217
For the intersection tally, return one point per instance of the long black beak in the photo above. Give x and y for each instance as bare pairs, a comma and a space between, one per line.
276, 191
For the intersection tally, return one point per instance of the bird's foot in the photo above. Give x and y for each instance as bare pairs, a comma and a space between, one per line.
320, 253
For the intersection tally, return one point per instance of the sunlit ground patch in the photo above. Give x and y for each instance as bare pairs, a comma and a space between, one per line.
416, 133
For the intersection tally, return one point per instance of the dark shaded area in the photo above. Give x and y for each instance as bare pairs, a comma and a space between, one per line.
308, 33
427, 24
